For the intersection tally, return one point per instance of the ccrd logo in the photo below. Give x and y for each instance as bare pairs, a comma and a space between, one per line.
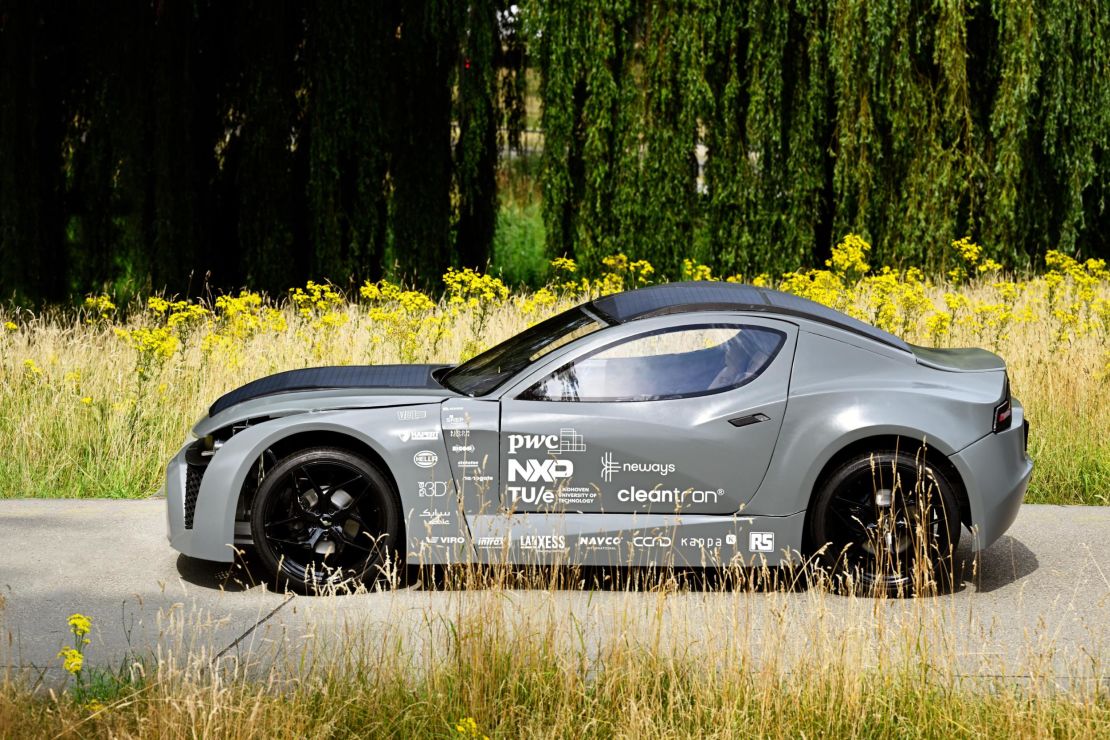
535, 470
651, 541
567, 440
531, 495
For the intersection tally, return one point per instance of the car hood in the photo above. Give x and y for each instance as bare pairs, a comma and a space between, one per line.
321, 388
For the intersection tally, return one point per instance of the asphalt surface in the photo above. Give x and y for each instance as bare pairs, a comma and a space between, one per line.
1036, 602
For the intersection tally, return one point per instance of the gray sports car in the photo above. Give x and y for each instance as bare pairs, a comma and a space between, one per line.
685, 424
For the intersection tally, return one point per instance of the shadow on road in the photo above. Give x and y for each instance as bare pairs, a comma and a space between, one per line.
1004, 563
238, 576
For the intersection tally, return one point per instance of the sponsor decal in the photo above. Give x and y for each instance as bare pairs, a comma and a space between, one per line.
577, 495
702, 543
543, 542
651, 541
460, 433
462, 448
444, 540
478, 478
411, 414
730, 539
423, 435
536, 470
567, 440
531, 495
466, 464
454, 419
761, 541
434, 517
432, 488
425, 459
490, 543
452, 408
676, 496
598, 542
609, 466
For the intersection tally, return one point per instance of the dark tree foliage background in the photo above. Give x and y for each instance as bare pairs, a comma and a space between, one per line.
176, 144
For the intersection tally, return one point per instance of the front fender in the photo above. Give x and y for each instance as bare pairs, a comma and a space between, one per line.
213, 532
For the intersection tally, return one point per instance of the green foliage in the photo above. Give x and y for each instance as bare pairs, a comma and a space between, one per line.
519, 254
913, 125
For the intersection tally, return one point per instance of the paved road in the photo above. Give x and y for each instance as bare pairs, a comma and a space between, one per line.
1037, 601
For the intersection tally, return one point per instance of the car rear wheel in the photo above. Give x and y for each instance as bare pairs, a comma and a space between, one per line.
886, 523
324, 519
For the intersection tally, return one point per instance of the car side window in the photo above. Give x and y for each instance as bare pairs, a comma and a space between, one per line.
680, 362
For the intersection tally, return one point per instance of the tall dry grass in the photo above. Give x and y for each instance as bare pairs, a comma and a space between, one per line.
85, 413
532, 654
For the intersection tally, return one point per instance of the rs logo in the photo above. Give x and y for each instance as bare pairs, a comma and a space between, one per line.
537, 470
761, 542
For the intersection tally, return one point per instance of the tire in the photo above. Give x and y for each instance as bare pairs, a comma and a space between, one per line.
886, 523
326, 519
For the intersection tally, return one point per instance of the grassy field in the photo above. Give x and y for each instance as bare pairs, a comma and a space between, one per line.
93, 403
510, 659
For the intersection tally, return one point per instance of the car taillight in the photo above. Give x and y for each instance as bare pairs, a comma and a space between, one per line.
1003, 412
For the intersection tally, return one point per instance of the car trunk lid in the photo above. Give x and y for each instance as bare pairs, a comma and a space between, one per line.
965, 360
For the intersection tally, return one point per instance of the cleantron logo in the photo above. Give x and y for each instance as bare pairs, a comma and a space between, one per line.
536, 470
567, 440
668, 495
425, 458
610, 466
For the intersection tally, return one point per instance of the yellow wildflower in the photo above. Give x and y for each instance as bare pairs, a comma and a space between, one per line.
79, 624
72, 660
11, 326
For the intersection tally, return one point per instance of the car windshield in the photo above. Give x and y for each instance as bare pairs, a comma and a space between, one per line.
482, 374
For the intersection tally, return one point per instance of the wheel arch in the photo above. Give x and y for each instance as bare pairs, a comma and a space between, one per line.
304, 439
903, 443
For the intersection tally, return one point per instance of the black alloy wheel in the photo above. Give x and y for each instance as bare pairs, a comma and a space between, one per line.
889, 524
326, 519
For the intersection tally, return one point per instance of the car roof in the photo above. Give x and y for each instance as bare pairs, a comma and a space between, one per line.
671, 298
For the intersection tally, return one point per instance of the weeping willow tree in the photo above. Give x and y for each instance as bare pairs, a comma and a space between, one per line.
912, 123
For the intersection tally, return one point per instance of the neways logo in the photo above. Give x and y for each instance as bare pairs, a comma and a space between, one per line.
609, 466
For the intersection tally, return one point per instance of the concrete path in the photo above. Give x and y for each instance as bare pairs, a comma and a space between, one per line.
1038, 601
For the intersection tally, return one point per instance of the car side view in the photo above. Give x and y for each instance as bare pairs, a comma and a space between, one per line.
684, 424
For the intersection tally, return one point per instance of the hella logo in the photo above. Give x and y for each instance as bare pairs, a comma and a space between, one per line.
425, 458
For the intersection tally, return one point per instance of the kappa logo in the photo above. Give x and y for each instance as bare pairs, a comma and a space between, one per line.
567, 440
609, 466
425, 459
424, 435
411, 414
537, 470
432, 488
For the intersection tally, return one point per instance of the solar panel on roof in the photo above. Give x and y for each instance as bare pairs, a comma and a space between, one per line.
693, 296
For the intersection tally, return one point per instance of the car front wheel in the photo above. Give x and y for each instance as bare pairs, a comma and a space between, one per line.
326, 518
886, 523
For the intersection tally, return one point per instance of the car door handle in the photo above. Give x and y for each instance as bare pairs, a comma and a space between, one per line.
743, 421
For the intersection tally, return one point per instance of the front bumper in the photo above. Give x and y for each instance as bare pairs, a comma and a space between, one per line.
183, 484
996, 471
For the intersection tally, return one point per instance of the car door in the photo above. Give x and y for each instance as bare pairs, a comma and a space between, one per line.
663, 415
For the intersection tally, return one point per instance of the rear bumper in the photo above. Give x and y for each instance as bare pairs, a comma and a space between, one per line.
996, 471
